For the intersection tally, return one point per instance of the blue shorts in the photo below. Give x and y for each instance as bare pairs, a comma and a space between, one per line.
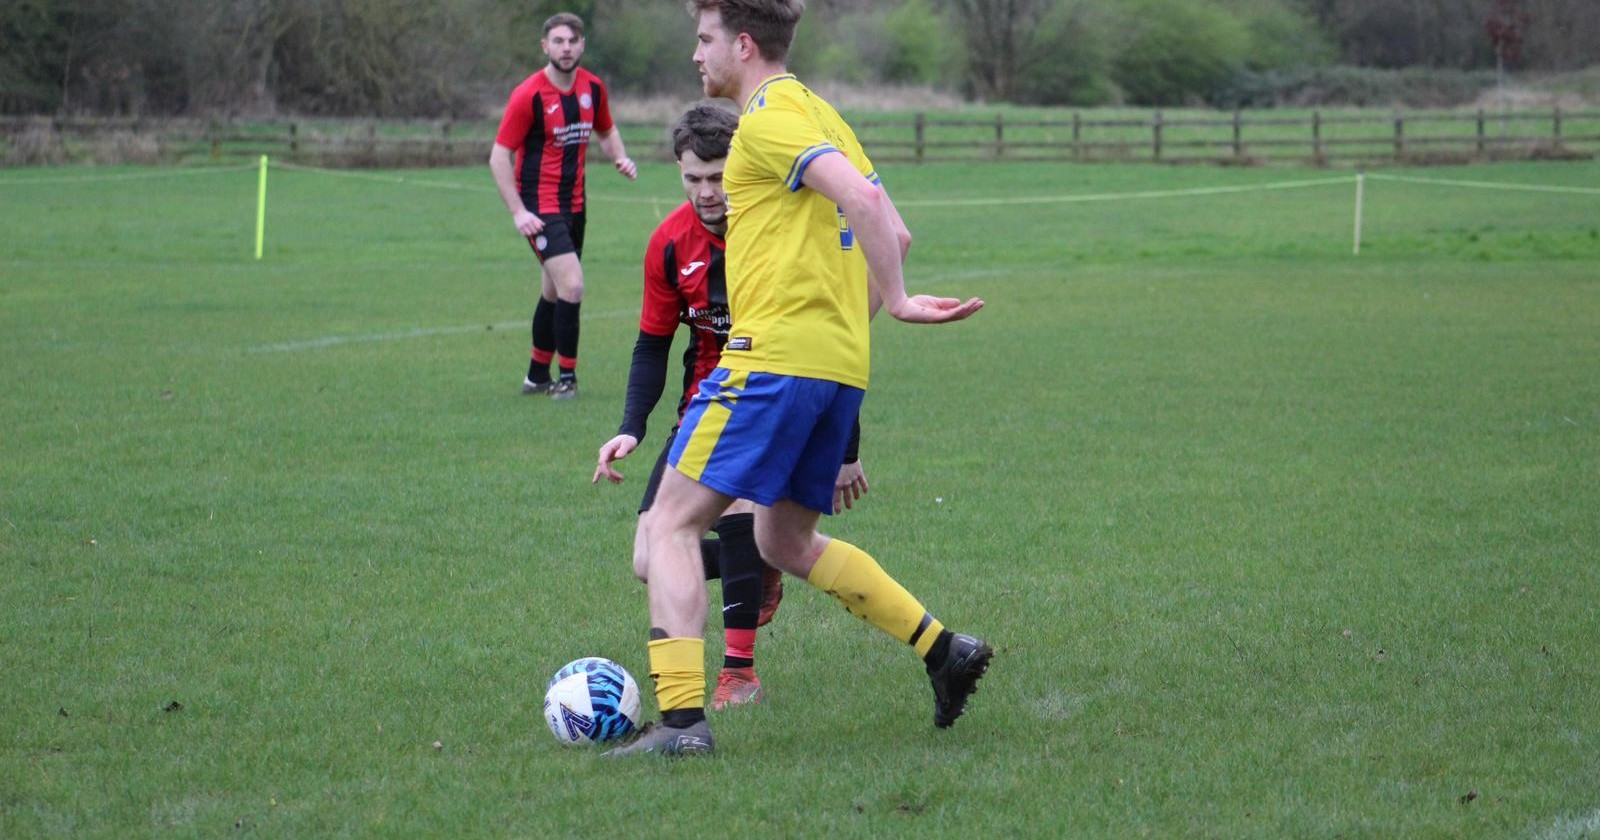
766, 437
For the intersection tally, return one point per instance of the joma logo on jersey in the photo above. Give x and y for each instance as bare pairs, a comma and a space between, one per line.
847, 237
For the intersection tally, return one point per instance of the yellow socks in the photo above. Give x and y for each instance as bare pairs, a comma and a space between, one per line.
857, 581
678, 667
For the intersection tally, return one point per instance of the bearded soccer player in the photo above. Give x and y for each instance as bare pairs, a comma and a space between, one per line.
538, 165
684, 282
809, 227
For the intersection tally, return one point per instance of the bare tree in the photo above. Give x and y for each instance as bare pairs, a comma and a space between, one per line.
996, 34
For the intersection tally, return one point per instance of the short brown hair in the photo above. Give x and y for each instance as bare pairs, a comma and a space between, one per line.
564, 19
706, 130
770, 23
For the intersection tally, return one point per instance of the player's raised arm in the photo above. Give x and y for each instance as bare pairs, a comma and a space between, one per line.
872, 218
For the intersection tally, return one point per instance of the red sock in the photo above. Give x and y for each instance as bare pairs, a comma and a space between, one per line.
739, 644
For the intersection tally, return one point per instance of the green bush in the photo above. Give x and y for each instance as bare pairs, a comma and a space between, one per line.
1066, 60
856, 50
919, 44
1420, 87
1178, 51
1282, 36
649, 50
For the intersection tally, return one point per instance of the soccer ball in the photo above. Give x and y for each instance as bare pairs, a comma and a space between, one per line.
590, 700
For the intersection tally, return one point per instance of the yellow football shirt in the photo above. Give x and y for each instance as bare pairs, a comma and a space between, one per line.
797, 283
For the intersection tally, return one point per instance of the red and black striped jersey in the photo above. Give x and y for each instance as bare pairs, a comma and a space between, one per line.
549, 130
684, 283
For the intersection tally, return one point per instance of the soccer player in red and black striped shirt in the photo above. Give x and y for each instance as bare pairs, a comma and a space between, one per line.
684, 283
538, 165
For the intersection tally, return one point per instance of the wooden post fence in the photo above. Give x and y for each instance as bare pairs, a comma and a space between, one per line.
1150, 137
1316, 136
1238, 135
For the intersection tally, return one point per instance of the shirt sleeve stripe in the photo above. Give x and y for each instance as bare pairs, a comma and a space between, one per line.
798, 171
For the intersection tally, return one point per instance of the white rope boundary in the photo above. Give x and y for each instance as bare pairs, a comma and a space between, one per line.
131, 176
400, 180
1145, 194
1484, 185
397, 180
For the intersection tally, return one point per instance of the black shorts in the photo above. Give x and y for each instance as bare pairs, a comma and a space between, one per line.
562, 234
655, 475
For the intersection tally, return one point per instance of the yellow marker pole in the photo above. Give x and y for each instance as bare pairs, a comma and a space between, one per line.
261, 209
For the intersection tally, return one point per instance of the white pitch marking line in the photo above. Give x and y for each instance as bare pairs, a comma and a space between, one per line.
337, 340
425, 332
1573, 828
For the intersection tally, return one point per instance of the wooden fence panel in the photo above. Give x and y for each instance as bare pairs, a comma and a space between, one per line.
1318, 138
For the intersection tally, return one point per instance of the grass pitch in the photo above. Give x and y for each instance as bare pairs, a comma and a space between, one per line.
1273, 541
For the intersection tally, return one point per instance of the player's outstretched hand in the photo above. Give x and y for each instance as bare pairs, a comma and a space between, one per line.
527, 224
927, 309
849, 487
627, 167
614, 450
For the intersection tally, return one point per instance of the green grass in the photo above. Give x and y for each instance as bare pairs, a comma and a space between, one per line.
1273, 541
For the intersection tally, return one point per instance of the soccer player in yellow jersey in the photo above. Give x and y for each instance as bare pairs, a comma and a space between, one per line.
808, 227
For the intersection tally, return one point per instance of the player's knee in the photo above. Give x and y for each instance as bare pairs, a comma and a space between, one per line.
781, 552
641, 563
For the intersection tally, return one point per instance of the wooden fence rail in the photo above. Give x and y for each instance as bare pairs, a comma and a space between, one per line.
1237, 138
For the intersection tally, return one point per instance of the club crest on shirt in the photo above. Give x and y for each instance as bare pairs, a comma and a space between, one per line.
584, 101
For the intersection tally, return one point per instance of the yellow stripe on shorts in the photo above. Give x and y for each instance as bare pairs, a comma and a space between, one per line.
697, 452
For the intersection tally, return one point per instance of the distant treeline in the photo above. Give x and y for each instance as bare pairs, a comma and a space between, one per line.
392, 58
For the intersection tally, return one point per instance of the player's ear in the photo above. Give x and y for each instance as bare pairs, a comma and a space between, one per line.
745, 47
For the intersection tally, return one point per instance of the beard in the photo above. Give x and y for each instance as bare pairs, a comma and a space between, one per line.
566, 66
714, 89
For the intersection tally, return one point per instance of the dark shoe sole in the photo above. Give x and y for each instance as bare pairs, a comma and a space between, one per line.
969, 671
